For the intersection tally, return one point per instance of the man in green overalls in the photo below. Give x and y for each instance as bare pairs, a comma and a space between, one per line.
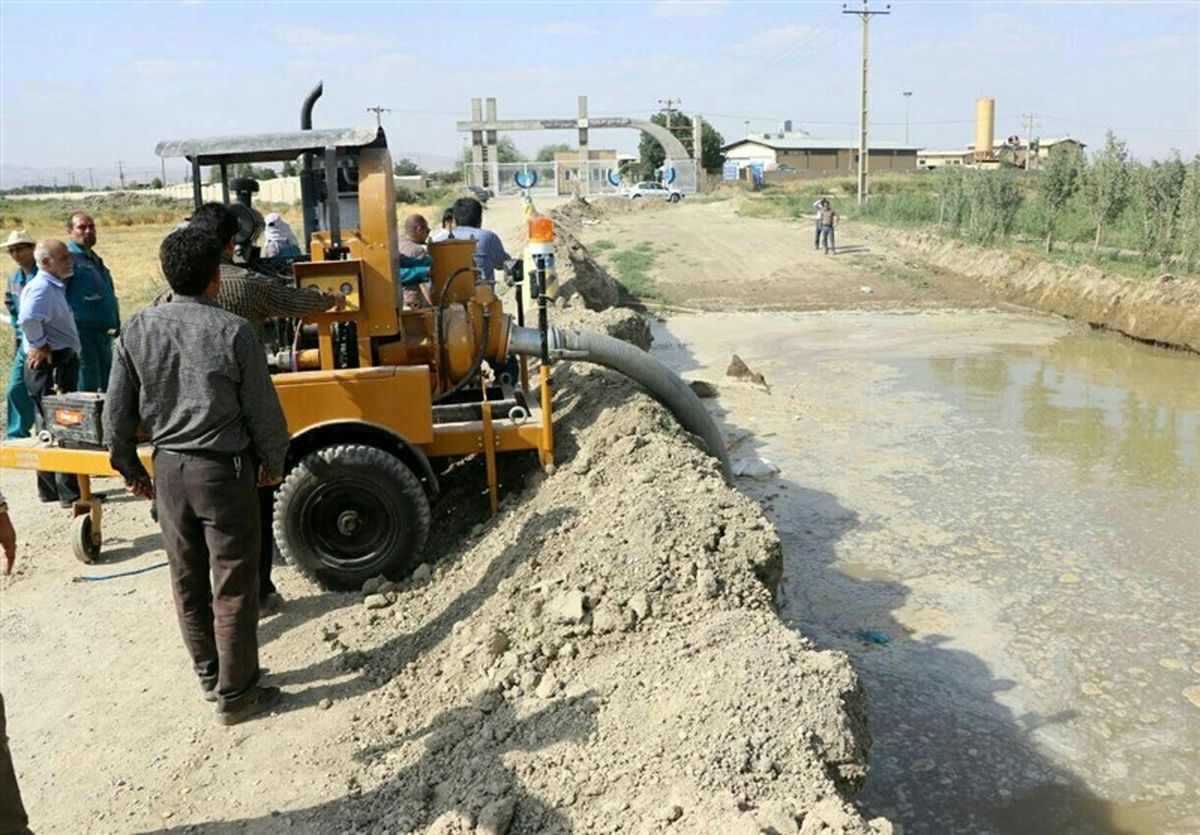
93, 300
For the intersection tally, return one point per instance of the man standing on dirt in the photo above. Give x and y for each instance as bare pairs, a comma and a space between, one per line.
257, 299
94, 300
818, 207
20, 407
489, 251
829, 220
195, 377
51, 348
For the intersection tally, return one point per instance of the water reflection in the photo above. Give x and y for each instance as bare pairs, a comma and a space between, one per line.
1102, 405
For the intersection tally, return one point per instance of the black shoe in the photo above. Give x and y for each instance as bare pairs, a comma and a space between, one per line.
255, 702
211, 695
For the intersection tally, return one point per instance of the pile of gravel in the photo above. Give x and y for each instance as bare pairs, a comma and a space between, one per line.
601, 656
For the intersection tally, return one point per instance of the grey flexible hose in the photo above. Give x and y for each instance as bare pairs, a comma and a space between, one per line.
663, 384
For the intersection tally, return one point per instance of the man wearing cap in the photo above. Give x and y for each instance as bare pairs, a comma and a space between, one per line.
51, 347
93, 298
19, 406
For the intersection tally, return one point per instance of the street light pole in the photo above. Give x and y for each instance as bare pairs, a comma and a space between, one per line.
746, 122
907, 98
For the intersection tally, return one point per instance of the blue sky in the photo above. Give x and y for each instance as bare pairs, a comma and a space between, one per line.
115, 78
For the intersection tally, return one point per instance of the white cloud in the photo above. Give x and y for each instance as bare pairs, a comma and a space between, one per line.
687, 8
567, 29
310, 38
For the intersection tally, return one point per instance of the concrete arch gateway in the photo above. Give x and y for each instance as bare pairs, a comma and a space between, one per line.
680, 169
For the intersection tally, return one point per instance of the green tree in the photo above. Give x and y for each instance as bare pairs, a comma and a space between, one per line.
1107, 184
546, 152
156, 183
1189, 215
290, 169
949, 181
1159, 187
406, 168
1058, 183
652, 154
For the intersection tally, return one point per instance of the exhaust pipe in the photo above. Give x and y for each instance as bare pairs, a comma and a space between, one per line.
308, 195
663, 384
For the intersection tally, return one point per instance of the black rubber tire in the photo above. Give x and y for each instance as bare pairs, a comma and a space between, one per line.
674, 198
348, 513
86, 551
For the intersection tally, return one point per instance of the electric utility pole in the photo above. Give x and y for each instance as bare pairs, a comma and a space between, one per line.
865, 14
91, 181
121, 172
907, 98
1028, 138
378, 111
669, 107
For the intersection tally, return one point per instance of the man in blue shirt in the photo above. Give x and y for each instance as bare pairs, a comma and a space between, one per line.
52, 347
19, 406
93, 298
489, 251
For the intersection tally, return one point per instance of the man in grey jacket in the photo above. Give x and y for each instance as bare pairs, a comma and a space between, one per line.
195, 377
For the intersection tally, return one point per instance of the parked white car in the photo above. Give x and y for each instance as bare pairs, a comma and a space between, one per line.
650, 188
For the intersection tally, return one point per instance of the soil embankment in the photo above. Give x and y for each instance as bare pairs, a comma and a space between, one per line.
1164, 310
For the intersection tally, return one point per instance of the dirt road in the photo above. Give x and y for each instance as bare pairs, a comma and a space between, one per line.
711, 256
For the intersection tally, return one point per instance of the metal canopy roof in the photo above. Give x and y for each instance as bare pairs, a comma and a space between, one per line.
269, 147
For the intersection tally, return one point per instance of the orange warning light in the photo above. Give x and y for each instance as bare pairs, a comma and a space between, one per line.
541, 230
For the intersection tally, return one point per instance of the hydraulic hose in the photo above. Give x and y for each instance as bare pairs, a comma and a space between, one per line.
663, 384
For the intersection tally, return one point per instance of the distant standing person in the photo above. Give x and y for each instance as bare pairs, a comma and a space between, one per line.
20, 407
51, 348
829, 219
818, 207
195, 377
94, 300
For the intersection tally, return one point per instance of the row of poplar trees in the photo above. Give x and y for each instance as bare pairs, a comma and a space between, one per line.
1163, 197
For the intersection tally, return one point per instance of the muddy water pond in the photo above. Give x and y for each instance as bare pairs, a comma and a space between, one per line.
998, 517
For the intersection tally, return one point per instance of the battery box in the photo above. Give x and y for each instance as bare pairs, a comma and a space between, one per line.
75, 419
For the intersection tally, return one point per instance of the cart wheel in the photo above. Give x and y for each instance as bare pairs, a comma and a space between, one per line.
87, 550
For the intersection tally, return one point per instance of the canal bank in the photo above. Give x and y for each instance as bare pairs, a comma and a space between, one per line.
995, 515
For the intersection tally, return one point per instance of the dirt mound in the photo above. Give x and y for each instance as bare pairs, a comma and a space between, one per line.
1155, 310
602, 656
579, 274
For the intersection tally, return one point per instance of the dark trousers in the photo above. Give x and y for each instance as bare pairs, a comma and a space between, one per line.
266, 512
817, 242
61, 375
208, 512
12, 812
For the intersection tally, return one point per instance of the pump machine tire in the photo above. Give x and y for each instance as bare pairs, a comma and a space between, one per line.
86, 549
350, 512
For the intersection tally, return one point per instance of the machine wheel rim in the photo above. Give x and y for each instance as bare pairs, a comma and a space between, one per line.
351, 526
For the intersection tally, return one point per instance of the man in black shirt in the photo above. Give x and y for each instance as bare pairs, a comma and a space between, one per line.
195, 377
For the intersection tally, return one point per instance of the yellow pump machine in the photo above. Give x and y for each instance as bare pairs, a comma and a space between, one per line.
372, 392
